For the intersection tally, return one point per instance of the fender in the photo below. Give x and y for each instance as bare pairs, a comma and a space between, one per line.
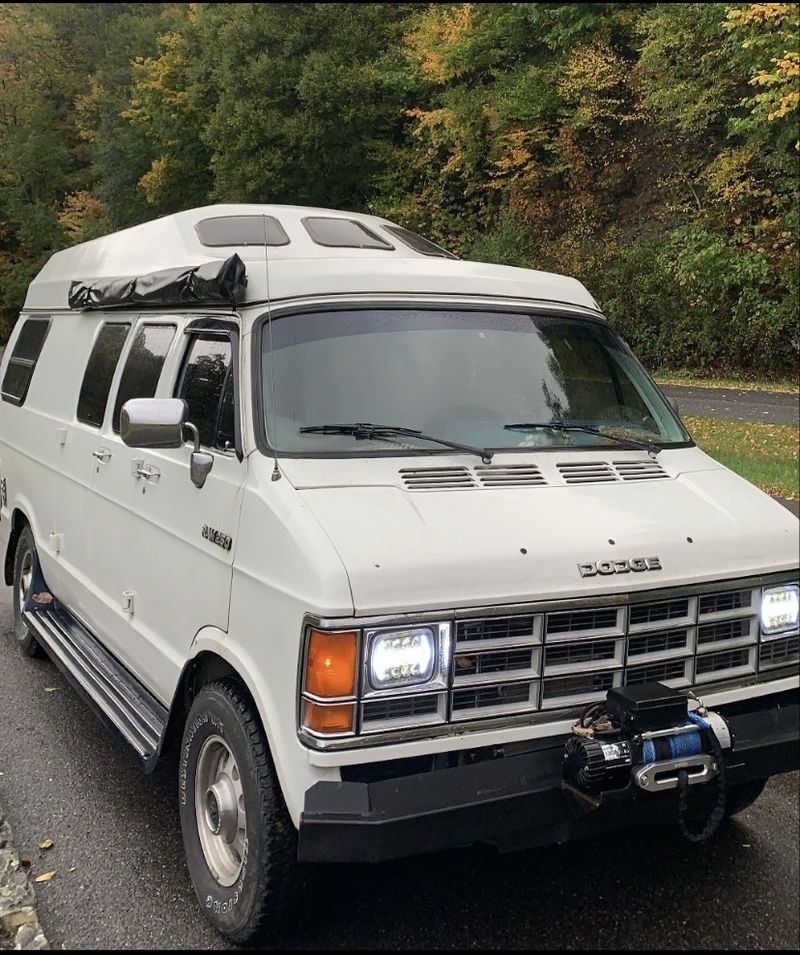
290, 757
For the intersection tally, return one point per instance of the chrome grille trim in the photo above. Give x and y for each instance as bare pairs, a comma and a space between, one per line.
780, 651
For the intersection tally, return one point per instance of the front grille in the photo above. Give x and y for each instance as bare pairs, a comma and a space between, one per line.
558, 656
406, 711
674, 673
659, 612
575, 622
572, 656
731, 600
780, 652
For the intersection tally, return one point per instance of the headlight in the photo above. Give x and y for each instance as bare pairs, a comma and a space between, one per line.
780, 609
402, 658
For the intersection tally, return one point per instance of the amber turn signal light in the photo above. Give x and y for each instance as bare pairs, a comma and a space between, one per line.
337, 718
331, 664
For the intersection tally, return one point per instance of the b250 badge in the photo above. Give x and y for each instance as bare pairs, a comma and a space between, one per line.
225, 541
605, 567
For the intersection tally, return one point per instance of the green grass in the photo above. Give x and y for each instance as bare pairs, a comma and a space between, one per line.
690, 379
765, 454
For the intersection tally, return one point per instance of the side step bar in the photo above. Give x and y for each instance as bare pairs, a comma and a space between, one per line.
118, 698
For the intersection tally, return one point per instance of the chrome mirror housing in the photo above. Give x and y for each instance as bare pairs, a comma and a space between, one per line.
153, 422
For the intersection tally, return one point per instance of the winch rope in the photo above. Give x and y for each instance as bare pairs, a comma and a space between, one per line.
718, 812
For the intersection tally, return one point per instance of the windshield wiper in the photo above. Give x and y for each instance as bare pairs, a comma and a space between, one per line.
651, 448
385, 432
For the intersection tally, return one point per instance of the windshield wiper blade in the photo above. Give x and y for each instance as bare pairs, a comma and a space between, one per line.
364, 430
648, 446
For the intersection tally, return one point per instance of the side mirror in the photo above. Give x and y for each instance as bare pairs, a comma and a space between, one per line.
161, 423
153, 422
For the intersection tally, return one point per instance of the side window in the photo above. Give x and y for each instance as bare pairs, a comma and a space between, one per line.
207, 385
23, 359
99, 373
143, 365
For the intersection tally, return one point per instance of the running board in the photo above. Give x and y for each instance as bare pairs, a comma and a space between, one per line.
118, 698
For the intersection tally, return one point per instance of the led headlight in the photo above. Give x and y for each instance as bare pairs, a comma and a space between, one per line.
780, 609
402, 657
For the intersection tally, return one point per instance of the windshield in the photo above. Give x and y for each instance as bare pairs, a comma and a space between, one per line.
453, 375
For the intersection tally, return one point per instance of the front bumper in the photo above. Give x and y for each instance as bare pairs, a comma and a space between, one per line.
517, 801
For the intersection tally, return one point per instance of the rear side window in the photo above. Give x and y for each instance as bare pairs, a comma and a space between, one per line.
23, 359
241, 230
100, 372
343, 233
143, 365
207, 386
419, 243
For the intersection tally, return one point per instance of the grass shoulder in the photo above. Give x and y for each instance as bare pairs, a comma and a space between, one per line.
692, 380
768, 455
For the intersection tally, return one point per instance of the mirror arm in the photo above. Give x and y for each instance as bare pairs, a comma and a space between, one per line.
192, 429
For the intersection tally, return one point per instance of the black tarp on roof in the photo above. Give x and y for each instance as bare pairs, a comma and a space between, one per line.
212, 283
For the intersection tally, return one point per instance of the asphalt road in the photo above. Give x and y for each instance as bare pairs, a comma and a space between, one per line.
768, 407
121, 880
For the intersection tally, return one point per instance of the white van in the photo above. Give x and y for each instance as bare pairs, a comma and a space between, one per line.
399, 552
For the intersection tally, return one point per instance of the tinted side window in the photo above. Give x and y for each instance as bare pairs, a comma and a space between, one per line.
207, 385
143, 365
99, 373
23, 359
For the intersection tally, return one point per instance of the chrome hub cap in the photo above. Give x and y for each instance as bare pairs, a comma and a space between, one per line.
25, 578
219, 809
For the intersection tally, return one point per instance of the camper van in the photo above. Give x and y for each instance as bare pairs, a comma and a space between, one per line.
393, 552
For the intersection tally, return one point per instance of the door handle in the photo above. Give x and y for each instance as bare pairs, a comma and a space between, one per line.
102, 454
148, 472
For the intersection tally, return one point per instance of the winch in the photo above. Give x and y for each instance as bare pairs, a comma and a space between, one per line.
653, 738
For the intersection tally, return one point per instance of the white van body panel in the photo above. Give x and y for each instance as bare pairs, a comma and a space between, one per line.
300, 269
436, 549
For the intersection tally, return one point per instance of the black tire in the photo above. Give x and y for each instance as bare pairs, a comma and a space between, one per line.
249, 908
24, 561
743, 796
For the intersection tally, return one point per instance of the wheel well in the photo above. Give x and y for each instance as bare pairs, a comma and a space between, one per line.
18, 523
205, 668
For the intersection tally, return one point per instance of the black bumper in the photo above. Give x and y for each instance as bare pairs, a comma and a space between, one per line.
518, 801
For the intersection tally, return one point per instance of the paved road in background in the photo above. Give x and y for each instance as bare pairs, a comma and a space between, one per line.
768, 407
117, 830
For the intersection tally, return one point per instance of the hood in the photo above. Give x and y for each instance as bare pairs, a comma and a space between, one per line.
439, 533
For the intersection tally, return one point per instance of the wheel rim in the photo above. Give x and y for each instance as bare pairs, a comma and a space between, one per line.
25, 578
219, 810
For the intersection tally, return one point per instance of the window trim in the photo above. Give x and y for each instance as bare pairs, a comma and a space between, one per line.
19, 401
220, 329
548, 308
128, 323
137, 326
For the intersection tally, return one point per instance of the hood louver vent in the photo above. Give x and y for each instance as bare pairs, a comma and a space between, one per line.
639, 470
587, 472
510, 475
432, 479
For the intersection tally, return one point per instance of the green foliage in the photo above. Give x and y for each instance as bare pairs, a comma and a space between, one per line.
649, 149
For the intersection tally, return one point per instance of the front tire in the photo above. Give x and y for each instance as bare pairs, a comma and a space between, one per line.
240, 843
24, 567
